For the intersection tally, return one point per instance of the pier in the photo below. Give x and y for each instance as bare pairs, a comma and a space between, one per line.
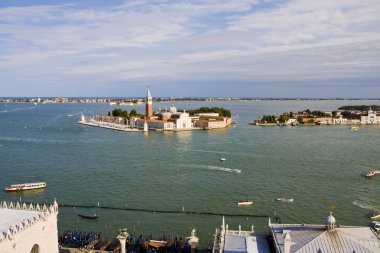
119, 126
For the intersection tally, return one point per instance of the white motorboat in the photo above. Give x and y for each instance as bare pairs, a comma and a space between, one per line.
285, 199
222, 159
26, 186
371, 173
244, 202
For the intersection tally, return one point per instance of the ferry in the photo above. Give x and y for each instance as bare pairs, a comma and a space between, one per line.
245, 202
372, 173
26, 186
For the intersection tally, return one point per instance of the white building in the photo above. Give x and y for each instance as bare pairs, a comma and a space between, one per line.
340, 120
370, 119
182, 120
329, 238
239, 241
28, 228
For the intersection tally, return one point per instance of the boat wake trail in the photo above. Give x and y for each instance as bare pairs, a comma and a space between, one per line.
223, 169
364, 205
210, 167
203, 151
70, 115
18, 109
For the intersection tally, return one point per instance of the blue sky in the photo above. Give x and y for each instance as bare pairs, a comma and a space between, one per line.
245, 48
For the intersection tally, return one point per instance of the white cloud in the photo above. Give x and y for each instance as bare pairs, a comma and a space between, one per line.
242, 40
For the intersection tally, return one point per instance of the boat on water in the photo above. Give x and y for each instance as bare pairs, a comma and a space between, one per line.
91, 217
156, 244
26, 186
244, 202
284, 199
354, 128
376, 226
222, 159
375, 215
371, 173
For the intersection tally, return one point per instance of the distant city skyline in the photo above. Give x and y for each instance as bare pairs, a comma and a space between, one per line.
216, 48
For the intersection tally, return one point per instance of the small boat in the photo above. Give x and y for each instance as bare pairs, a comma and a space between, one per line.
375, 215
26, 186
354, 128
244, 202
371, 173
222, 159
91, 217
285, 199
376, 226
156, 244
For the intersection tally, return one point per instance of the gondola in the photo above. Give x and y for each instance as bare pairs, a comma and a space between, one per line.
92, 217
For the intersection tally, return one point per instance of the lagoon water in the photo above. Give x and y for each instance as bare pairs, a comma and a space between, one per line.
319, 166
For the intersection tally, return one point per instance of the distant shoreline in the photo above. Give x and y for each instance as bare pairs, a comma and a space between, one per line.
137, 100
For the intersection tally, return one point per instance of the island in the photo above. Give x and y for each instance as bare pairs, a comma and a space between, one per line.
165, 120
345, 115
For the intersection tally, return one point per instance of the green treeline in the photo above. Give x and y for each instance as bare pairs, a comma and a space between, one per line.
123, 113
269, 119
220, 110
360, 107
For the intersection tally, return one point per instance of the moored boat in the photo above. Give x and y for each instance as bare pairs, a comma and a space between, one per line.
375, 215
26, 186
371, 173
92, 217
285, 199
245, 202
156, 244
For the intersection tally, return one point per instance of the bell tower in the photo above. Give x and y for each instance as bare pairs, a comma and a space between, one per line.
148, 105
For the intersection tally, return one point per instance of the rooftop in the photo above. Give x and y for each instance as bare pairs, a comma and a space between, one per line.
18, 216
315, 238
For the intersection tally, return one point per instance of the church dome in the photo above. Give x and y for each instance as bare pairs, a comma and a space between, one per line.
173, 109
330, 219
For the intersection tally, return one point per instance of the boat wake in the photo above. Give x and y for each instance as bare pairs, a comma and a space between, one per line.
223, 169
73, 114
203, 151
364, 205
18, 109
210, 167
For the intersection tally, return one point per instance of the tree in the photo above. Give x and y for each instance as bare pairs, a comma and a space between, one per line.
300, 120
291, 115
334, 113
132, 113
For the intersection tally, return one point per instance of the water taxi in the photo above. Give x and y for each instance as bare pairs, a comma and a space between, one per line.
26, 186
375, 215
244, 202
371, 173
284, 199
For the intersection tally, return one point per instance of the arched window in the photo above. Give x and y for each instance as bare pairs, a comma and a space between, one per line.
35, 249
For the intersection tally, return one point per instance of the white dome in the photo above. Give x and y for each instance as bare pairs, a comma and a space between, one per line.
173, 109
330, 219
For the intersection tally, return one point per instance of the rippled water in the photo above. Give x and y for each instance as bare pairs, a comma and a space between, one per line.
318, 166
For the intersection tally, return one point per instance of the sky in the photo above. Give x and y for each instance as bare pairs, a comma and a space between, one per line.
214, 48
